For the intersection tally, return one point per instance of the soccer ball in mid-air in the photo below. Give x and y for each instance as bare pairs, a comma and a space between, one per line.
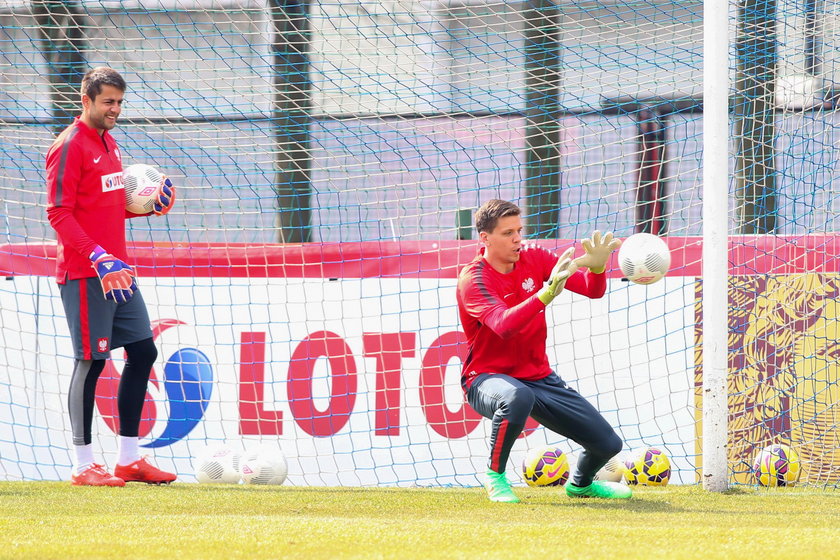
545, 466
141, 183
265, 464
613, 471
644, 258
650, 468
777, 465
218, 464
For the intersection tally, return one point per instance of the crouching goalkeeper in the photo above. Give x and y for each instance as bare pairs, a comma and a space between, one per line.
502, 296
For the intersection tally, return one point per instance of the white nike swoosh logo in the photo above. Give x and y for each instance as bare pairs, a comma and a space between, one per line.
96, 159
507, 296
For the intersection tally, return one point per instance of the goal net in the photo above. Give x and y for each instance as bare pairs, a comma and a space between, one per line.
328, 157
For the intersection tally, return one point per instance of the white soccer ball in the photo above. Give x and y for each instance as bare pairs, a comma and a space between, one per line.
218, 464
265, 464
644, 258
141, 183
613, 471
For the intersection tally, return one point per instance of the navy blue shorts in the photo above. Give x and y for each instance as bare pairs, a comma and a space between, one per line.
98, 325
556, 406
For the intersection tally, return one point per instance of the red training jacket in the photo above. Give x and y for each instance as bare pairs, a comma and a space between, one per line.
85, 199
503, 319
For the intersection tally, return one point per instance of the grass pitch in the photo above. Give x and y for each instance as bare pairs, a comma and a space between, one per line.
184, 521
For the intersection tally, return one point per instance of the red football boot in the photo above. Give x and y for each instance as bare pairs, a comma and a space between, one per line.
143, 471
96, 475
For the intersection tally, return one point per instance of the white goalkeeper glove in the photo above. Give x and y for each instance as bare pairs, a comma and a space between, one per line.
598, 250
564, 268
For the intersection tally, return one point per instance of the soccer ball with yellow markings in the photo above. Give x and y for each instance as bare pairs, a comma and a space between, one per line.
545, 466
650, 468
777, 465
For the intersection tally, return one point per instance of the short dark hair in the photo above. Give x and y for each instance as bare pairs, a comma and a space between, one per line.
101, 76
487, 216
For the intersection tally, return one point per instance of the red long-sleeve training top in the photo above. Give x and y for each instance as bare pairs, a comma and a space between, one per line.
502, 317
85, 199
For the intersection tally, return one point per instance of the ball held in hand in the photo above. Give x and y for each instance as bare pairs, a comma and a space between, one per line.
147, 190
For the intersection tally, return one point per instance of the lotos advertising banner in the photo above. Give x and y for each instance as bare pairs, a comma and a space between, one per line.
348, 357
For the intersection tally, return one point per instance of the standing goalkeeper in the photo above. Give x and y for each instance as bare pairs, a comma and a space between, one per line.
104, 308
502, 296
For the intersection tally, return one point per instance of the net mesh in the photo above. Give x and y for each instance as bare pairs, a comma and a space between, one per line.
327, 157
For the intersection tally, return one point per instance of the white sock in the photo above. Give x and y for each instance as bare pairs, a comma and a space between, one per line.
129, 450
84, 457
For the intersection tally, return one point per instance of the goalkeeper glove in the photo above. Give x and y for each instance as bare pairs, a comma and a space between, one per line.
598, 250
116, 277
165, 197
564, 268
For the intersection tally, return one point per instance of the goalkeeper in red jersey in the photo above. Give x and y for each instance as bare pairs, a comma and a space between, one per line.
104, 308
502, 296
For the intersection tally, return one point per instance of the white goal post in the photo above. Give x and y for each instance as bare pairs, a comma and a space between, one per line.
715, 471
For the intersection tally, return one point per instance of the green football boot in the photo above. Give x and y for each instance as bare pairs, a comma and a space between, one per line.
600, 489
498, 488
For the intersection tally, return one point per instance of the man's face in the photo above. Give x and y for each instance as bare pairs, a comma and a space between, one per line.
101, 113
502, 245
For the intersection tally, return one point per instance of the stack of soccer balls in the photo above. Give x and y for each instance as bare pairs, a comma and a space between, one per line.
263, 464
549, 466
777, 465
648, 467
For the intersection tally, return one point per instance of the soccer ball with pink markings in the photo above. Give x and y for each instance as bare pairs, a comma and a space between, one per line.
264, 464
141, 183
217, 464
545, 466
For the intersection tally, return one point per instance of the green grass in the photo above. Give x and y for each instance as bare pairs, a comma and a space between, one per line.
182, 521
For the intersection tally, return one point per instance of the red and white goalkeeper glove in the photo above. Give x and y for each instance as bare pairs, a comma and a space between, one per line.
116, 277
165, 197
598, 250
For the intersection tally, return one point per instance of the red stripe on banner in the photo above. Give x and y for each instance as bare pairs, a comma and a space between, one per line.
495, 463
748, 255
84, 320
